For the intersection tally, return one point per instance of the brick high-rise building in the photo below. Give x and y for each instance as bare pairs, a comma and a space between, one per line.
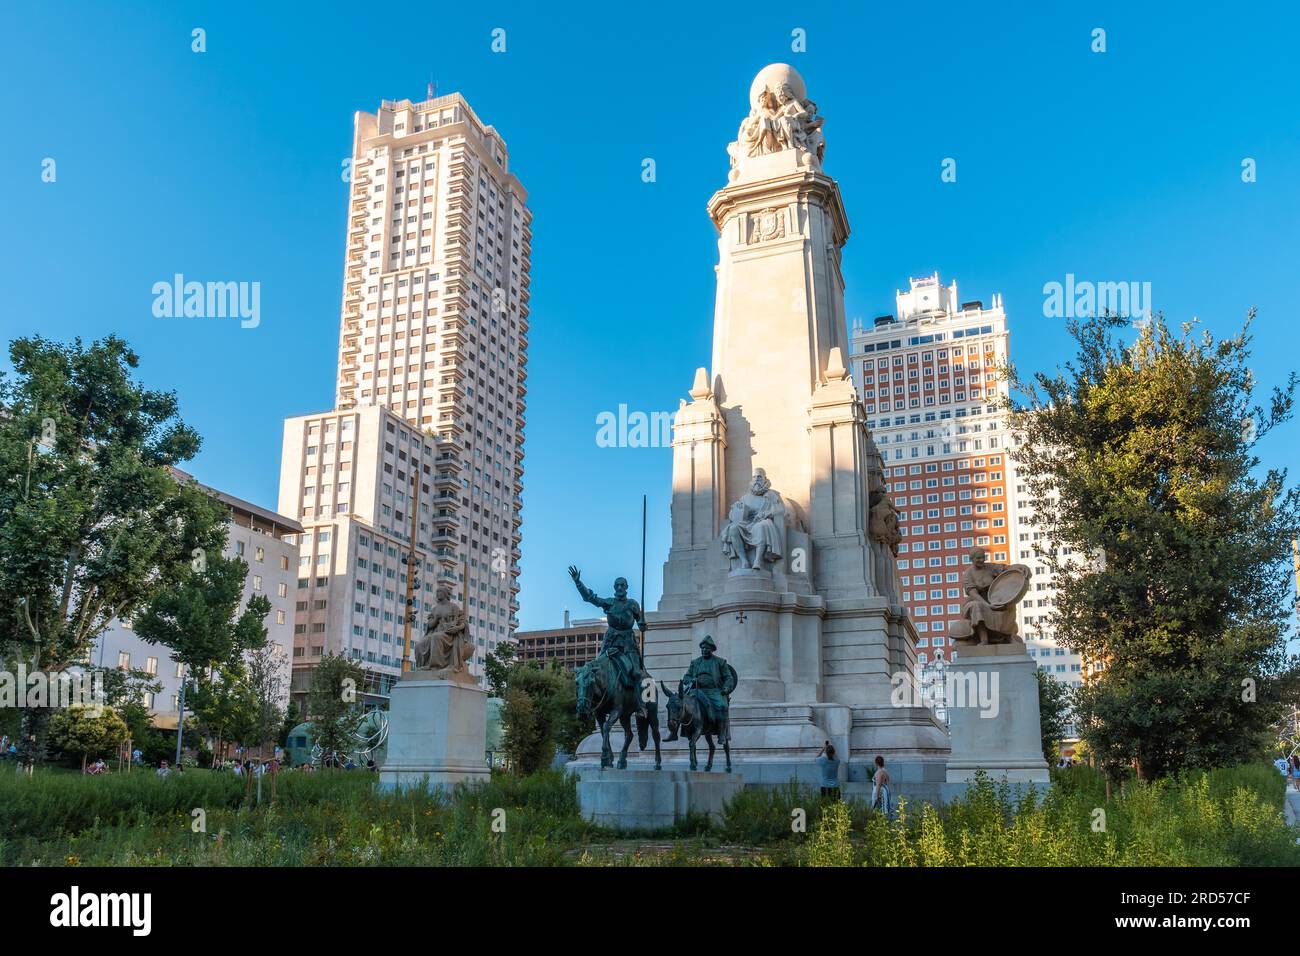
434, 331
930, 386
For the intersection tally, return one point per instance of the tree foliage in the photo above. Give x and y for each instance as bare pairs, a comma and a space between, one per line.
124, 691
332, 704
496, 667
1170, 543
92, 519
540, 715
224, 704
1053, 712
199, 617
80, 731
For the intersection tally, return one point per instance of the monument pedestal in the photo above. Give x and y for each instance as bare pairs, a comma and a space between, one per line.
437, 734
773, 744
993, 717
653, 799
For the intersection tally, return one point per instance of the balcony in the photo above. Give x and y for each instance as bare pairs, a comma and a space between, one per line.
445, 523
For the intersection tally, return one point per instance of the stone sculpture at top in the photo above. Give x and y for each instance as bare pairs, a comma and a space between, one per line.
780, 117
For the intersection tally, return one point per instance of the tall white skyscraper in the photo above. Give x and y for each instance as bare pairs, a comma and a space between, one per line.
434, 332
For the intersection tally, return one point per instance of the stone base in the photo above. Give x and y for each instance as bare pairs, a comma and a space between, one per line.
653, 799
1291, 808
993, 717
437, 735
773, 744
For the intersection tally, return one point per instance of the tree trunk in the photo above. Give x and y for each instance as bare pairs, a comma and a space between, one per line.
31, 744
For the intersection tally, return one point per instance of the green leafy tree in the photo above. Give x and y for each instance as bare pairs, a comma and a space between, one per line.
199, 618
332, 702
1140, 461
124, 691
523, 735
1053, 712
292, 718
540, 714
496, 667
222, 704
267, 679
93, 521
79, 731
200, 621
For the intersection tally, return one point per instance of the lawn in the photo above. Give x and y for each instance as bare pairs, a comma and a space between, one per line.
1228, 817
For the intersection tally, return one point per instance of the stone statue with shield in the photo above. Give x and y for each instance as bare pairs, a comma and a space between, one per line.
992, 592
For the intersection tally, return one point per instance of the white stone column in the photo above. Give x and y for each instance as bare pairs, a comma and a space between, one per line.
698, 503
778, 314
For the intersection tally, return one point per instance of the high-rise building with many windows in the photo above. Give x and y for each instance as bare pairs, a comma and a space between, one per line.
929, 377
434, 334
932, 384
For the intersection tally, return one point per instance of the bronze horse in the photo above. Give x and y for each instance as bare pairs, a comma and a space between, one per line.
602, 697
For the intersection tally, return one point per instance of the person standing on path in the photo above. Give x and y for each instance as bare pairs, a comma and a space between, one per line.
830, 771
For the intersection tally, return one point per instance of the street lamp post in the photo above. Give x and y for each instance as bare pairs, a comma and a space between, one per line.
180, 716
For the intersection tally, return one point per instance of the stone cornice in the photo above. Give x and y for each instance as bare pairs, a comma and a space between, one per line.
804, 185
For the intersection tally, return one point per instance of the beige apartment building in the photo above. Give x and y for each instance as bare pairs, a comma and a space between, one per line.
572, 645
267, 542
431, 388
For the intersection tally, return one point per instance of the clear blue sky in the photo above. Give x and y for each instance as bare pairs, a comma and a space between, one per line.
225, 166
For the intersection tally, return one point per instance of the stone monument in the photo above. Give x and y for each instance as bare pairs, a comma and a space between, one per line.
783, 537
993, 690
437, 716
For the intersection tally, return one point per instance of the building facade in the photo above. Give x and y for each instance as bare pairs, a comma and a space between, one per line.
1032, 547
431, 382
572, 645
267, 542
929, 377
932, 385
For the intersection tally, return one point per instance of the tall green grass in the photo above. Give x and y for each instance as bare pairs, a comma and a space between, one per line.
1229, 817
1225, 817
324, 819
